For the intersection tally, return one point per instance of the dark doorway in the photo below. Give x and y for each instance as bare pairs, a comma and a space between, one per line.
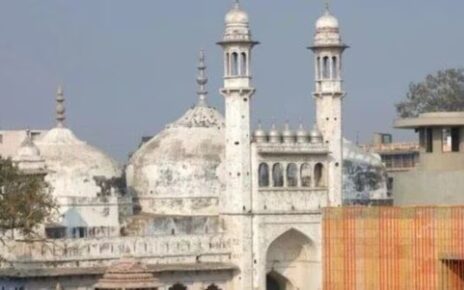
272, 284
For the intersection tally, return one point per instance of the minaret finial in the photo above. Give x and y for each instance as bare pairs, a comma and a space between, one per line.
202, 80
237, 4
327, 6
60, 109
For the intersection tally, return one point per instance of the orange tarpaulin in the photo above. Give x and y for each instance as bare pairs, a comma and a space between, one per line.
393, 248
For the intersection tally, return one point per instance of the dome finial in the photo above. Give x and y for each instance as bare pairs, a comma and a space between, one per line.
237, 4
60, 109
327, 6
202, 80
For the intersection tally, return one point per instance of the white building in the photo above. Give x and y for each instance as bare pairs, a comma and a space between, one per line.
207, 204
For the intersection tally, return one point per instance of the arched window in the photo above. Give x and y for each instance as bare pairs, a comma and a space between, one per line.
277, 175
292, 175
318, 68
334, 68
263, 175
319, 175
227, 65
213, 287
178, 286
326, 68
305, 173
244, 64
234, 68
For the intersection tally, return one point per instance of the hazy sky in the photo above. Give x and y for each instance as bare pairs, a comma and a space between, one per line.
128, 67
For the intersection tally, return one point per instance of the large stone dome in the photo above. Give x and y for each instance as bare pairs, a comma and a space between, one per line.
73, 166
179, 170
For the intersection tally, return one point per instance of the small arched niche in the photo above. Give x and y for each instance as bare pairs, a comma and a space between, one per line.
277, 175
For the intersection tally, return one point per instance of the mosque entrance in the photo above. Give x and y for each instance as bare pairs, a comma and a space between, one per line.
289, 263
274, 281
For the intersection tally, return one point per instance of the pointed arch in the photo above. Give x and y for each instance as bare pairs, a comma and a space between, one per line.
287, 257
334, 67
305, 175
263, 175
319, 175
235, 64
292, 175
243, 64
326, 67
277, 175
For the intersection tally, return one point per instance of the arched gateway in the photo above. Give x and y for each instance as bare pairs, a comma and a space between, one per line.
288, 262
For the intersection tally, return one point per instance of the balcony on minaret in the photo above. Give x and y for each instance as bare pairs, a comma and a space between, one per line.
329, 86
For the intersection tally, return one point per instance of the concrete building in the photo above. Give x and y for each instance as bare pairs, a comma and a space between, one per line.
206, 203
439, 175
397, 157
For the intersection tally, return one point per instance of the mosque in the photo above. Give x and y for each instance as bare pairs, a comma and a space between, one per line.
204, 204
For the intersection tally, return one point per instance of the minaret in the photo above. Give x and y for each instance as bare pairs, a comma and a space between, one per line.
237, 91
60, 109
328, 49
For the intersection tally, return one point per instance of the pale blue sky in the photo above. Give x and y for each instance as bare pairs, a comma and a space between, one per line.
128, 67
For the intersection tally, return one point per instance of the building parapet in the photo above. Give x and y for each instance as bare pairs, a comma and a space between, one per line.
97, 252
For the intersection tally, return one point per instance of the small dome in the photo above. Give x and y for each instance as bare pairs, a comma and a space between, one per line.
327, 22
28, 157
73, 165
302, 135
274, 135
288, 135
236, 16
316, 135
327, 31
27, 150
260, 135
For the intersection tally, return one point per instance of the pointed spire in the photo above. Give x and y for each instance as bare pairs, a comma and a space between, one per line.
287, 125
60, 109
327, 7
28, 140
202, 80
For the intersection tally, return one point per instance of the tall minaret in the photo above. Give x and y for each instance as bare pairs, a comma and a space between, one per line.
237, 91
328, 49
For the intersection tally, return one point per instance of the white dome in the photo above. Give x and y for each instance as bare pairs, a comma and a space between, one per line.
327, 21
236, 16
327, 31
73, 165
28, 157
182, 163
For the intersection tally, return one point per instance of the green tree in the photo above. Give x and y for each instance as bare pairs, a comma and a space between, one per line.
25, 201
441, 92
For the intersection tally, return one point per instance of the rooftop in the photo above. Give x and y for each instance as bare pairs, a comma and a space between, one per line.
437, 119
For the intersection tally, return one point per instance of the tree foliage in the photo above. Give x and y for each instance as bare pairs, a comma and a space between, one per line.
442, 92
25, 200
